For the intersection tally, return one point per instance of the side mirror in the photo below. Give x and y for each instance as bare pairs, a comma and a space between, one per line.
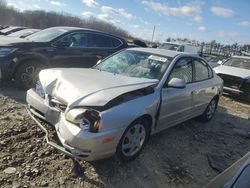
177, 83
62, 44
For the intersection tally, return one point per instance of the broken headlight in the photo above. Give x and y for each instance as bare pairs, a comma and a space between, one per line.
86, 119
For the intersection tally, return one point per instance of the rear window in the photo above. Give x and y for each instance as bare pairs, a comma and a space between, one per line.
101, 41
169, 46
202, 71
116, 42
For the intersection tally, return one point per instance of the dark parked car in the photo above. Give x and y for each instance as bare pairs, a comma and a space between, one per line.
22, 59
236, 176
11, 29
23, 33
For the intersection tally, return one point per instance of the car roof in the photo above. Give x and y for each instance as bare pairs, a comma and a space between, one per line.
11, 28
83, 29
31, 29
179, 43
242, 57
161, 52
71, 28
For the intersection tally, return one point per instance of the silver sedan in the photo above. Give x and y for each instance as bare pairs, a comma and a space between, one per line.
114, 107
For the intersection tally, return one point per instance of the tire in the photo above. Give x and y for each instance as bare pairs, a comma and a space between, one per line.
26, 74
130, 145
210, 110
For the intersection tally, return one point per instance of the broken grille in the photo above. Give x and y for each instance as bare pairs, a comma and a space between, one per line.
58, 105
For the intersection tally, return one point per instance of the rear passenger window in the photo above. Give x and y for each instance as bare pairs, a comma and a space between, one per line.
116, 42
202, 71
101, 41
183, 70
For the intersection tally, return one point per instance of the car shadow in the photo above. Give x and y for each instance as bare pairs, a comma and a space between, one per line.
238, 98
178, 156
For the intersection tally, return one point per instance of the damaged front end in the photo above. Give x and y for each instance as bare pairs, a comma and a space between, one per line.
88, 121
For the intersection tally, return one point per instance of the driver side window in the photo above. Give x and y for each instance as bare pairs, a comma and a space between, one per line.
182, 70
76, 40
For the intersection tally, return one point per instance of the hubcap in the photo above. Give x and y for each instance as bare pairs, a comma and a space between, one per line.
133, 140
211, 109
29, 76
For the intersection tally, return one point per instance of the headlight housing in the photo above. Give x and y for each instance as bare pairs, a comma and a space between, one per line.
6, 51
86, 119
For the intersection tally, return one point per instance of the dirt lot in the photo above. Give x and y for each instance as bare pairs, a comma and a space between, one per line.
177, 157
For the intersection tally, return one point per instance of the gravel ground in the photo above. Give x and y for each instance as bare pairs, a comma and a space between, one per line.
176, 157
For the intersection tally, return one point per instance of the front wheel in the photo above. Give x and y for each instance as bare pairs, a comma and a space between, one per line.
210, 110
26, 75
133, 140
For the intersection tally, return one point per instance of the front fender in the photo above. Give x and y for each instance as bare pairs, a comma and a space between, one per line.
123, 115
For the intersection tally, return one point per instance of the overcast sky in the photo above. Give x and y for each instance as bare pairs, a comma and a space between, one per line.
227, 21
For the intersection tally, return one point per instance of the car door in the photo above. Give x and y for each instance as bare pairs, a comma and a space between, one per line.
203, 89
177, 103
75, 54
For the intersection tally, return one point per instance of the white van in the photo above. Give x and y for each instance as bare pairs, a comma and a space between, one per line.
180, 47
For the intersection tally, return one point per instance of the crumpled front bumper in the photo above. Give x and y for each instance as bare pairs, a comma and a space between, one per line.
55, 145
75, 142
40, 107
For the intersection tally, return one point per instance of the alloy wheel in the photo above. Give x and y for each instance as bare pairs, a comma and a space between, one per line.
133, 140
29, 76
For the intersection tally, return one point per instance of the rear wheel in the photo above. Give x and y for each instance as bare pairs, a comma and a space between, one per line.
133, 140
26, 75
210, 110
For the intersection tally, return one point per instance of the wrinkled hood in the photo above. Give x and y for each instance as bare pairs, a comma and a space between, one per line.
88, 87
234, 71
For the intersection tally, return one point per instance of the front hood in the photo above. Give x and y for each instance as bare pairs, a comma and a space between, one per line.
16, 41
88, 87
234, 71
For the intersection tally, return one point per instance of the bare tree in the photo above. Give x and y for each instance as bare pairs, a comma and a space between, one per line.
42, 19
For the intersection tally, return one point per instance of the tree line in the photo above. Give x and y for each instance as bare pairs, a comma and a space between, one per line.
41, 19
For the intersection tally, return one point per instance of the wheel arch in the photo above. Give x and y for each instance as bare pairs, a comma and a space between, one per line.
216, 97
39, 60
148, 118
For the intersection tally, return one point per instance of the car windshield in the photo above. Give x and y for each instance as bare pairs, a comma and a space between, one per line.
136, 64
238, 62
47, 35
6, 30
168, 46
